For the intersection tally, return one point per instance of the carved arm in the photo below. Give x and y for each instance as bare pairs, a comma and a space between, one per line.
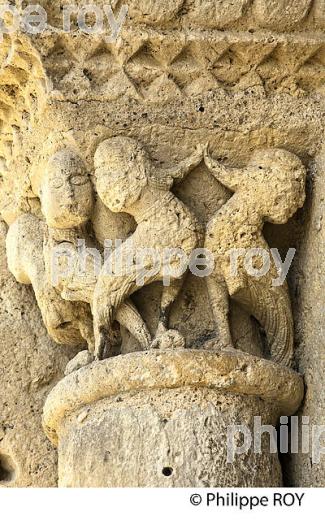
229, 177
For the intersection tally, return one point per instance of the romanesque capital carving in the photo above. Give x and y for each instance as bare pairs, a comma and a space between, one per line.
146, 183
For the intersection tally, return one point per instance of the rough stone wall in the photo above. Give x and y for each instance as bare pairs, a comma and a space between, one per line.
308, 281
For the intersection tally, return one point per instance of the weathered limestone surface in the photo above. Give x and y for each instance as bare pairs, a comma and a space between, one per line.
309, 281
199, 126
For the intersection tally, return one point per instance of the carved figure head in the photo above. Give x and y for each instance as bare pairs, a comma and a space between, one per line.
277, 178
272, 184
66, 191
122, 170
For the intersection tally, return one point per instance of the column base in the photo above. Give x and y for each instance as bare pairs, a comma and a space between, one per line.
160, 419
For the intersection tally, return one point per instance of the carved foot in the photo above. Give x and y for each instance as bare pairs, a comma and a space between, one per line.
229, 348
81, 360
219, 347
169, 340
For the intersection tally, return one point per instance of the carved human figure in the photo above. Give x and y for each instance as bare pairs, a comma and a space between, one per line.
77, 284
271, 188
66, 191
127, 181
66, 322
67, 200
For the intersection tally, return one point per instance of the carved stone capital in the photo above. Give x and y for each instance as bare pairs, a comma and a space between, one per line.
196, 127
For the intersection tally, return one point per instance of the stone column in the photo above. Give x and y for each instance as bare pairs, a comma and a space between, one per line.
160, 419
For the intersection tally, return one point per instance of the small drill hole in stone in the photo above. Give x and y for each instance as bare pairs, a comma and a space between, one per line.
7, 469
167, 472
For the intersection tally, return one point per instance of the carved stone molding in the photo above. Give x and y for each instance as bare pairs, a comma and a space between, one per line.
278, 15
153, 66
137, 420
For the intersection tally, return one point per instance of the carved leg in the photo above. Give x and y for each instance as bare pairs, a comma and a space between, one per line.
87, 332
129, 317
168, 298
103, 331
219, 300
110, 292
165, 338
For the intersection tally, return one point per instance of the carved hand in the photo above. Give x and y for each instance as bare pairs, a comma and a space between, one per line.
197, 156
179, 172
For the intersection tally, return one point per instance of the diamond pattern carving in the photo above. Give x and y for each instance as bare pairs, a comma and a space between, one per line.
156, 67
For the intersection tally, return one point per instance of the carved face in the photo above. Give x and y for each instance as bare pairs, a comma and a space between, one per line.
279, 183
66, 192
283, 205
121, 173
